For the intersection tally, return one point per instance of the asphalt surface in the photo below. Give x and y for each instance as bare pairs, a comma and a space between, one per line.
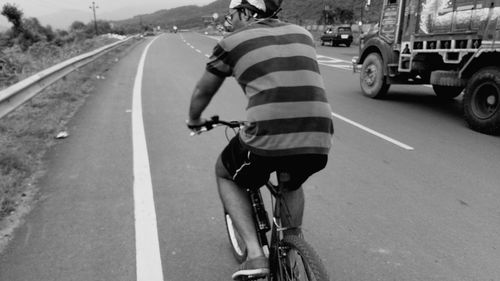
424, 210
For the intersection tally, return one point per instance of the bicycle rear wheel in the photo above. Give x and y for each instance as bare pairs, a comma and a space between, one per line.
298, 261
238, 246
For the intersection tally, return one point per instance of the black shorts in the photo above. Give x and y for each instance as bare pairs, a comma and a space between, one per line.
252, 171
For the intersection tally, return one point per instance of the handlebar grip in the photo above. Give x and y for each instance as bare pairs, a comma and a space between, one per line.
195, 127
212, 123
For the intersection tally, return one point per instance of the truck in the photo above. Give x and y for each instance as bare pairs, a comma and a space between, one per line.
454, 45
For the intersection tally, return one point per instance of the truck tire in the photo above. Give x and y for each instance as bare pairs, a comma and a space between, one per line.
372, 78
447, 92
482, 101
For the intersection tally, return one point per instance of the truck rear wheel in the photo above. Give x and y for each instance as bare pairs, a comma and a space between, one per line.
447, 92
372, 79
482, 101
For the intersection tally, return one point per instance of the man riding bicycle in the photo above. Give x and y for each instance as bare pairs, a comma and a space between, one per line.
289, 127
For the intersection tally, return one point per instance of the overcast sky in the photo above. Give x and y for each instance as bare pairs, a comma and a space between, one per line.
35, 8
40, 8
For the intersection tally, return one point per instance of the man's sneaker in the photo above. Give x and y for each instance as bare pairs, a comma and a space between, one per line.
252, 269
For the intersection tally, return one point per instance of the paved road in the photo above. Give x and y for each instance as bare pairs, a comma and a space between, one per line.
410, 193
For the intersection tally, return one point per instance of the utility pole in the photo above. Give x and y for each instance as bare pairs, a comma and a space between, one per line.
95, 19
324, 11
361, 13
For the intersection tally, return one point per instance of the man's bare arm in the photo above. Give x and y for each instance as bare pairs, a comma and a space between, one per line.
202, 95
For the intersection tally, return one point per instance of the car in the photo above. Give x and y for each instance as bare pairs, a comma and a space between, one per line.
335, 35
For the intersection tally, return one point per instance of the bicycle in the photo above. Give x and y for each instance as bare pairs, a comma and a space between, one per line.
290, 256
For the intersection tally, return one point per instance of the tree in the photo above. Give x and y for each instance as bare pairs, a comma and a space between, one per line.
77, 25
15, 16
343, 15
103, 27
49, 33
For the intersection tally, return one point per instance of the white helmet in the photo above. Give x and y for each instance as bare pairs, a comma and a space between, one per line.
265, 8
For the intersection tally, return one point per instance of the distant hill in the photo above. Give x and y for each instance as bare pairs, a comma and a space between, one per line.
298, 11
184, 17
112, 11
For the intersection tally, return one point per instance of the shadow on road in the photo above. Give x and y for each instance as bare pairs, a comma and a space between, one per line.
427, 102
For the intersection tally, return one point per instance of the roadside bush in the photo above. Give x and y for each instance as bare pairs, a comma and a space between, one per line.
12, 168
17, 63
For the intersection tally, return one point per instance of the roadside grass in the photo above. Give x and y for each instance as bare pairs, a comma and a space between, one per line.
17, 65
29, 132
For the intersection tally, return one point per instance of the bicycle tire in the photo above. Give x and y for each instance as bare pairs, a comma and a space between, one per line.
237, 244
300, 262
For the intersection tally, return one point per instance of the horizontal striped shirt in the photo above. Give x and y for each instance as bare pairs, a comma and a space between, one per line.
275, 64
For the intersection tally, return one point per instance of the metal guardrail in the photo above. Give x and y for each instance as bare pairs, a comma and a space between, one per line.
17, 94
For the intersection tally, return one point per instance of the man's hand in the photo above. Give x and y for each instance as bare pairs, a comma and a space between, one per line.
197, 126
194, 124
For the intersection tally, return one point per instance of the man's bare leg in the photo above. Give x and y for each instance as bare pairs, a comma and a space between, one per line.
295, 203
237, 204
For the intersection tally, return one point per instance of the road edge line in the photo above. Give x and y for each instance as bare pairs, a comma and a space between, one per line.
148, 257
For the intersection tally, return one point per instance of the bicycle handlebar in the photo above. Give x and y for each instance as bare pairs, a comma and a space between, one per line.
212, 123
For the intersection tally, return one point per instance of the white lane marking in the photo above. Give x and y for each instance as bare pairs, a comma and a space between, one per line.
330, 59
345, 67
375, 133
197, 50
334, 62
148, 258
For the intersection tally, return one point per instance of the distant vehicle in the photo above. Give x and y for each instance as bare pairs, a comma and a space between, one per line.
335, 35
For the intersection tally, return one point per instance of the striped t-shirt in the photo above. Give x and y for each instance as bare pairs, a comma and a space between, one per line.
275, 64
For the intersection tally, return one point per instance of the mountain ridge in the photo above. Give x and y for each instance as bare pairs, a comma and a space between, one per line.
297, 11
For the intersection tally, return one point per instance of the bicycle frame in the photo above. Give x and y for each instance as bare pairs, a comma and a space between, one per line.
280, 208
